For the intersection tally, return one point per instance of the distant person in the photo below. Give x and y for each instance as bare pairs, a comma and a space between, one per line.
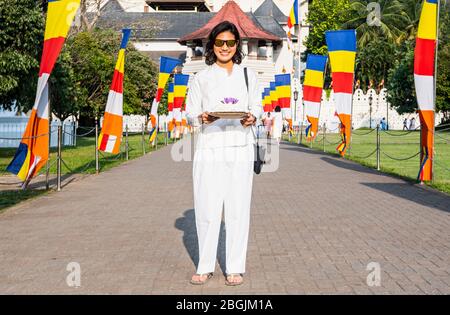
405, 124
412, 124
277, 126
383, 123
268, 125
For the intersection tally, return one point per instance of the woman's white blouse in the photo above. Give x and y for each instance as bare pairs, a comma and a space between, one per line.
213, 86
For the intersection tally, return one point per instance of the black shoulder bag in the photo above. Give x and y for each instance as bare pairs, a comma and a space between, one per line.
259, 151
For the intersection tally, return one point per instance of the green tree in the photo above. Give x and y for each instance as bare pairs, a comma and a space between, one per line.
324, 15
443, 83
400, 84
21, 36
387, 24
373, 62
64, 92
443, 69
140, 83
411, 13
93, 64
93, 57
163, 108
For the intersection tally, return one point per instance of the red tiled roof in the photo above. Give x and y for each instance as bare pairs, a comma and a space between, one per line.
231, 12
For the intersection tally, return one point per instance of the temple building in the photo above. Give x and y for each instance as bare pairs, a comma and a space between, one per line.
257, 43
182, 28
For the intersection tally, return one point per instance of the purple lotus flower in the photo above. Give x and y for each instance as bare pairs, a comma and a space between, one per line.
229, 100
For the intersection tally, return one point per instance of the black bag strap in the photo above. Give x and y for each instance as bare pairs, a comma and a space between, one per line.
246, 77
246, 83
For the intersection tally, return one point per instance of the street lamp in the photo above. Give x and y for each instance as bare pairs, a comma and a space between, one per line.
370, 111
295, 102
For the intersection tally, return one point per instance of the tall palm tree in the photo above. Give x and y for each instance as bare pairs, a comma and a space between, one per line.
411, 13
389, 24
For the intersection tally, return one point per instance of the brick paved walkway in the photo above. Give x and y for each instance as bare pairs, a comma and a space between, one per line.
316, 225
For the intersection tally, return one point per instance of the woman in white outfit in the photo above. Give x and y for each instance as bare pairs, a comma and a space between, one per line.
224, 154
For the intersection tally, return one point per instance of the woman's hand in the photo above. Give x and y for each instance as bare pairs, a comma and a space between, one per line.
248, 120
206, 118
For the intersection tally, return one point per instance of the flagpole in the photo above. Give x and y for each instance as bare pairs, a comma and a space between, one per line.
47, 171
298, 26
323, 85
353, 91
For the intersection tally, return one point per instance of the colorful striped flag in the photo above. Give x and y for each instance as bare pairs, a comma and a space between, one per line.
424, 78
32, 153
180, 82
170, 117
342, 50
312, 92
166, 66
283, 90
293, 15
267, 102
112, 128
273, 95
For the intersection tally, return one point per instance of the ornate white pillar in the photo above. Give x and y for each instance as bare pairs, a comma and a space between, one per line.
269, 51
253, 49
245, 48
189, 51
204, 47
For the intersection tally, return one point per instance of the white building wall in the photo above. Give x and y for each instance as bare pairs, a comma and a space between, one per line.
361, 112
134, 5
246, 5
159, 46
252, 5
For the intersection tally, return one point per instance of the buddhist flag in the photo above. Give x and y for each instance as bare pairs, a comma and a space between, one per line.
293, 15
111, 134
268, 100
267, 103
170, 117
342, 51
312, 92
273, 95
424, 78
283, 89
180, 83
32, 153
166, 66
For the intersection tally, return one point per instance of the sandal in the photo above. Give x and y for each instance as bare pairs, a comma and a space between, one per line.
201, 282
232, 276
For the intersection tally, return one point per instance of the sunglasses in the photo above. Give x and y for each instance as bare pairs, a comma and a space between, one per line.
220, 42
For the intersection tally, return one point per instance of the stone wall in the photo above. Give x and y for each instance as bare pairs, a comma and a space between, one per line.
361, 111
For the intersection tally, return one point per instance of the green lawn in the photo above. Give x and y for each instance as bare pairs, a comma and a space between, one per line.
79, 159
11, 197
395, 144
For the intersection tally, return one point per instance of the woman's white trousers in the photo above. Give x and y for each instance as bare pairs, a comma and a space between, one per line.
223, 179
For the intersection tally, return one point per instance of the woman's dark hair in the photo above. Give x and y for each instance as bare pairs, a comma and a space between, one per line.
210, 56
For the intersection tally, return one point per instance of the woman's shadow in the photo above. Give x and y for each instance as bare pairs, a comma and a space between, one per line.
190, 240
